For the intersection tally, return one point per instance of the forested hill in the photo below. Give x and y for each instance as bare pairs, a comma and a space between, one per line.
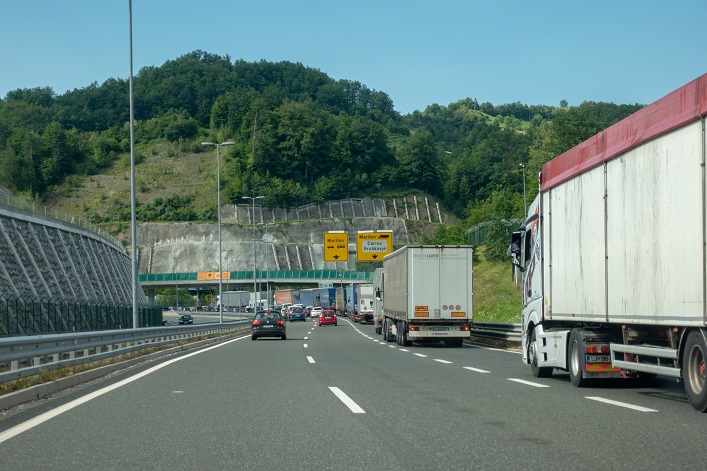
300, 137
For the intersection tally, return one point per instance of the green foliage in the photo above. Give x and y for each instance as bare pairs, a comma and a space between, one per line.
455, 234
300, 136
175, 208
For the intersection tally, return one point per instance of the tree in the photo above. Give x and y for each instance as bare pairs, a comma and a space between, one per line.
419, 164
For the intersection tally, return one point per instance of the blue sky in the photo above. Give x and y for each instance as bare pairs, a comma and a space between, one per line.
418, 52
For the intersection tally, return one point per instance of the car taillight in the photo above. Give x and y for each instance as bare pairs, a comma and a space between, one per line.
256, 322
280, 322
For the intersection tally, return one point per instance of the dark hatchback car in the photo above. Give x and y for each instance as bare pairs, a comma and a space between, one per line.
268, 324
186, 319
297, 315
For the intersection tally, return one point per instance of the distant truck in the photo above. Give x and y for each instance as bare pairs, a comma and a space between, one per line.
327, 298
340, 301
427, 294
351, 301
283, 297
365, 303
612, 252
236, 299
306, 297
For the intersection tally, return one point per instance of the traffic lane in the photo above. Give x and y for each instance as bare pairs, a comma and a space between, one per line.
661, 393
172, 317
246, 404
494, 409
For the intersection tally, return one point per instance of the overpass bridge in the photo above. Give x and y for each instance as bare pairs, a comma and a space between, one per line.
205, 281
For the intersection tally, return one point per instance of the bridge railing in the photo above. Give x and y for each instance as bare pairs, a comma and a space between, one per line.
272, 275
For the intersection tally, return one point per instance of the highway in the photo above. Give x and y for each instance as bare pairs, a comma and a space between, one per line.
338, 398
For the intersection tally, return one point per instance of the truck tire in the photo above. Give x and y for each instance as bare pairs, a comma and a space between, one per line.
386, 336
576, 361
404, 336
538, 371
694, 370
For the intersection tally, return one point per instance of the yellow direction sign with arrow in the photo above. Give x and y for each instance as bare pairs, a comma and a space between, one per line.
372, 246
336, 246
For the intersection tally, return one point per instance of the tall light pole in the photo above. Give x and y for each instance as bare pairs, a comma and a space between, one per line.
255, 253
176, 289
218, 211
133, 199
525, 202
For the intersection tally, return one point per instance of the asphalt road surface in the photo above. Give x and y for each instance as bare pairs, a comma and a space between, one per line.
337, 398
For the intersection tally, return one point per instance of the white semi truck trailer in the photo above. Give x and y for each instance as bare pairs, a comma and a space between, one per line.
613, 251
427, 294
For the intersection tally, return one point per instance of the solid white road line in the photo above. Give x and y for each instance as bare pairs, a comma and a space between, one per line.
443, 361
355, 408
40, 419
529, 383
475, 369
621, 404
310, 359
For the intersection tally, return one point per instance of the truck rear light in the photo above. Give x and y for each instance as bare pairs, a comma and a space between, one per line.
465, 328
414, 328
597, 349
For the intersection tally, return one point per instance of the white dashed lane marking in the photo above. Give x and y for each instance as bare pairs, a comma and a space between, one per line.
620, 404
529, 383
355, 408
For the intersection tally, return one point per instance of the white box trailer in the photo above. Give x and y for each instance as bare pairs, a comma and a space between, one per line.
236, 299
427, 294
613, 251
365, 303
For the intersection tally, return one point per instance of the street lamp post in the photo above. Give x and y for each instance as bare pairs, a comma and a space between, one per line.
255, 253
525, 202
176, 289
218, 212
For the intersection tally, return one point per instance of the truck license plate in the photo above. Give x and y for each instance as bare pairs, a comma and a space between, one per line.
598, 358
438, 328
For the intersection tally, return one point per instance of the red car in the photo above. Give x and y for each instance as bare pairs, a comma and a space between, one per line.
327, 317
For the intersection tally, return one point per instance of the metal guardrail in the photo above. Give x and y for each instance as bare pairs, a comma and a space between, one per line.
21, 357
497, 331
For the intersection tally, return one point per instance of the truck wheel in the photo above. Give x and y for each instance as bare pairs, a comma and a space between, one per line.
576, 360
404, 335
538, 371
694, 370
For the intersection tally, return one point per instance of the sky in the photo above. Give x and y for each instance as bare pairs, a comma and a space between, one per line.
419, 52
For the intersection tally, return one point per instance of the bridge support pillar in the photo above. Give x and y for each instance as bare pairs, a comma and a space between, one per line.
151, 295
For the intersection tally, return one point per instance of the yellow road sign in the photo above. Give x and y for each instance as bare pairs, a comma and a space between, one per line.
336, 247
212, 275
372, 246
